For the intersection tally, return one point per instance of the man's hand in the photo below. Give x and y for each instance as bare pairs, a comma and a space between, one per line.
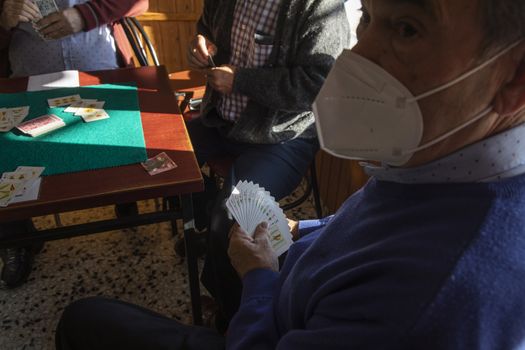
61, 24
247, 253
221, 78
16, 11
199, 50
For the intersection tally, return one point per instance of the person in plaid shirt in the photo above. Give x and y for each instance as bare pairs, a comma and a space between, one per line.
271, 59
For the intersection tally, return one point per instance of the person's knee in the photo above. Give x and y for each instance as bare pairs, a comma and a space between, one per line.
76, 320
79, 313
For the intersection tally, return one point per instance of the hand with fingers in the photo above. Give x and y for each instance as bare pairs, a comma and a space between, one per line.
221, 78
17, 11
247, 253
61, 24
199, 50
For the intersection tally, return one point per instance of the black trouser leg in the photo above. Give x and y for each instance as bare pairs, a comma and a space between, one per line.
218, 275
99, 324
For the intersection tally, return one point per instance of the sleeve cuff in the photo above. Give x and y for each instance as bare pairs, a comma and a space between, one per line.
259, 283
308, 226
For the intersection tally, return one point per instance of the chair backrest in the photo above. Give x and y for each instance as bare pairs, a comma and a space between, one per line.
137, 37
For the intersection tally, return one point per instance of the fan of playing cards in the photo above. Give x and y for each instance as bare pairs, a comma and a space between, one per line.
250, 205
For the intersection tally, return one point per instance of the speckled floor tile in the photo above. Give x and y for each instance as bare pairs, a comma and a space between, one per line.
137, 265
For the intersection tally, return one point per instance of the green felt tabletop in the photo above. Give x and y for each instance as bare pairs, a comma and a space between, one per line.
77, 146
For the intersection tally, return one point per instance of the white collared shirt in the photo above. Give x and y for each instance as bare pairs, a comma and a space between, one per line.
492, 159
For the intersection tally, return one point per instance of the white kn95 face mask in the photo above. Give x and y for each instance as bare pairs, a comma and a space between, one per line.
362, 112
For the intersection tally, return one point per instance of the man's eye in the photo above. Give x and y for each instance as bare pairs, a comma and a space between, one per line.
406, 30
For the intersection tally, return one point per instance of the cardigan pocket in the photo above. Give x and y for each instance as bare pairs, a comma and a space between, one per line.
262, 49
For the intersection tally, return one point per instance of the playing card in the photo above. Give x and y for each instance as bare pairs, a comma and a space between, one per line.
97, 114
41, 125
46, 7
18, 114
31, 193
8, 190
11, 117
159, 164
89, 107
21, 185
63, 101
32, 174
5, 116
75, 105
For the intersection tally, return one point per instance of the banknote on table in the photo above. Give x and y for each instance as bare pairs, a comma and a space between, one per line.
46, 7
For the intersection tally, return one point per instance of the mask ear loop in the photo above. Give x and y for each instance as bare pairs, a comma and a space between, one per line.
462, 77
465, 75
451, 132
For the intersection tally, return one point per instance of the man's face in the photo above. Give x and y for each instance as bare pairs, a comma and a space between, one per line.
424, 44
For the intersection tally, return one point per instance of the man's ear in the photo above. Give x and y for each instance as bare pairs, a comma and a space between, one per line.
511, 98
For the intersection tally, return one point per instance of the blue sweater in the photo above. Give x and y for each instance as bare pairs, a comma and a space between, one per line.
398, 267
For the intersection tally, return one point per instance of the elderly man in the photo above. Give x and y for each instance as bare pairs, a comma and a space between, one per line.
81, 35
430, 254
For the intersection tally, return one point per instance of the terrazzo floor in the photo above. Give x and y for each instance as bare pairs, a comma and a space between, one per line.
137, 265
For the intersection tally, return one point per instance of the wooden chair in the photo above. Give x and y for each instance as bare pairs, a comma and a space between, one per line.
137, 37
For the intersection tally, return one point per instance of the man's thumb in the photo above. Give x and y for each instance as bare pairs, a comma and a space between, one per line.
261, 230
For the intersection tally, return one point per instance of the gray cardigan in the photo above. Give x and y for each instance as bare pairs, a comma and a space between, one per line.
310, 35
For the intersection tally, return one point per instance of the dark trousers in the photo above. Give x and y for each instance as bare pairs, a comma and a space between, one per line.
99, 323
278, 168
13, 228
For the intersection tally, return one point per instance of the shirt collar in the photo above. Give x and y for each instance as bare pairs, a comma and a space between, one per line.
492, 159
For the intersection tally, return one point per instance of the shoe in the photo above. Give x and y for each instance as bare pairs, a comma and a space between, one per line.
200, 244
17, 265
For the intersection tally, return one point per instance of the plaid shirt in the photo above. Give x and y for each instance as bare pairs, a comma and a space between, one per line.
254, 26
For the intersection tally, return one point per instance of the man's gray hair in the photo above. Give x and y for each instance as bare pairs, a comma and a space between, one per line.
503, 22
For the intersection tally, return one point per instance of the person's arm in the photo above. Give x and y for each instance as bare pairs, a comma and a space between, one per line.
324, 35
99, 12
252, 326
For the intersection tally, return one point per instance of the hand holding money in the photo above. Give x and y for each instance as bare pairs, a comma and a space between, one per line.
16, 11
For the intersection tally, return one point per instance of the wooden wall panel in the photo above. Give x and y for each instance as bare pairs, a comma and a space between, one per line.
170, 24
338, 179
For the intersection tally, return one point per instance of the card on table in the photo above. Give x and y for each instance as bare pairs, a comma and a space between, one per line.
8, 190
21, 185
63, 101
76, 105
97, 114
41, 125
26, 174
88, 107
159, 164
11, 117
